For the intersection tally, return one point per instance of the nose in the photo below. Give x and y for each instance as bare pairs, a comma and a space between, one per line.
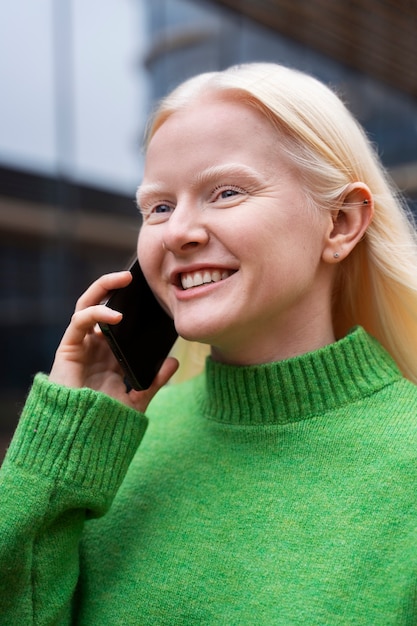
185, 230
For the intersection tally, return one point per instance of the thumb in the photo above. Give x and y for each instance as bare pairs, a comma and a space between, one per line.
141, 399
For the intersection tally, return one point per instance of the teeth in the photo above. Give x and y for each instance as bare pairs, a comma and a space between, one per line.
194, 279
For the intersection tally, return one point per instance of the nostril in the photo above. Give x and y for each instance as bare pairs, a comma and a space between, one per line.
179, 238
189, 245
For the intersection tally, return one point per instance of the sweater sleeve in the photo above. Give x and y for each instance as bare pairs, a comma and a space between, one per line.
70, 452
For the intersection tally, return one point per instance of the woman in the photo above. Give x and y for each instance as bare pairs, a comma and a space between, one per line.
278, 486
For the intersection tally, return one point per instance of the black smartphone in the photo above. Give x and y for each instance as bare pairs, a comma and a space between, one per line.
146, 333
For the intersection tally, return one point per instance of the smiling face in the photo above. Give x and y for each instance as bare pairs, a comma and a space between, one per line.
227, 241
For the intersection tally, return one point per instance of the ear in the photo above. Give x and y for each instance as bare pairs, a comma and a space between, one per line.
349, 222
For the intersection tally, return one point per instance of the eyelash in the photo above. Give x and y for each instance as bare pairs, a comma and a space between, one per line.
151, 209
225, 188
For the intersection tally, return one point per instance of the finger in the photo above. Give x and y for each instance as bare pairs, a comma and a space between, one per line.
100, 289
85, 320
168, 369
141, 399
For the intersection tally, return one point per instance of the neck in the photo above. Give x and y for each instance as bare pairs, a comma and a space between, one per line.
289, 341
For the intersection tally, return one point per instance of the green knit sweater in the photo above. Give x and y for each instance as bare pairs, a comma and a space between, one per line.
279, 494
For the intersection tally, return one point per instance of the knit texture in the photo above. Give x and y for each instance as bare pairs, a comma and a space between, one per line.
67, 459
272, 494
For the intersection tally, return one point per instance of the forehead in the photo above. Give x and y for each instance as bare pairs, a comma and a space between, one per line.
217, 108
210, 131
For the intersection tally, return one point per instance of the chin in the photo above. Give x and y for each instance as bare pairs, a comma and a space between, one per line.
195, 333
194, 336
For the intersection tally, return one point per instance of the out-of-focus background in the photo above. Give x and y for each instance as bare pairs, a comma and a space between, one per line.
77, 80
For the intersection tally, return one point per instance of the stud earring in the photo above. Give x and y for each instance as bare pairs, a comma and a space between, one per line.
336, 255
366, 201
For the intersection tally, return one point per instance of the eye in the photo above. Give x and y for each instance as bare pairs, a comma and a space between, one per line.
155, 213
225, 192
162, 208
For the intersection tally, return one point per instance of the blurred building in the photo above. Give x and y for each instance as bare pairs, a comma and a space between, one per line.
60, 230
71, 119
366, 49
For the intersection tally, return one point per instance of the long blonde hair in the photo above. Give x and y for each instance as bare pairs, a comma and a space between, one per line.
377, 283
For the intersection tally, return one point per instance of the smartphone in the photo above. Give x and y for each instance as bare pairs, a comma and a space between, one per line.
145, 335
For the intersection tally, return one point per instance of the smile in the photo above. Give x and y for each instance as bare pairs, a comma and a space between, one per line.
203, 277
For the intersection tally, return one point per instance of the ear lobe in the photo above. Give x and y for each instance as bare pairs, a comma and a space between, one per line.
349, 222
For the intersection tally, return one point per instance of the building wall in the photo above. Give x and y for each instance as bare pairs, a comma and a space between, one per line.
188, 37
56, 237
74, 96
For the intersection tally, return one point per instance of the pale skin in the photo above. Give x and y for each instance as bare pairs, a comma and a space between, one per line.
235, 229
84, 359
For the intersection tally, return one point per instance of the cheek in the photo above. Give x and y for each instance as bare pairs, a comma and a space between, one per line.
141, 245
149, 251
309, 229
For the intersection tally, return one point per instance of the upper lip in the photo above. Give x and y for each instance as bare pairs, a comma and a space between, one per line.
175, 275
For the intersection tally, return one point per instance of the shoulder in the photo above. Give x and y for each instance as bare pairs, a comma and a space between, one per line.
389, 419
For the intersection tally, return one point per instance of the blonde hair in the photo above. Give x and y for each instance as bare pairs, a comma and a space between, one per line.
377, 283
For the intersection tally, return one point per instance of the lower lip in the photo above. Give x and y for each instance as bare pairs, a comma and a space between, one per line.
200, 291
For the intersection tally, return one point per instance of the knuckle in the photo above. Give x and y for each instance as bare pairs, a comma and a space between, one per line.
75, 317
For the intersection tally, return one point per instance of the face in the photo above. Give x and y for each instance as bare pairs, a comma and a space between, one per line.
227, 242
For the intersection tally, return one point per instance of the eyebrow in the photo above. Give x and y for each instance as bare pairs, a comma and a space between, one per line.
202, 178
224, 171
144, 191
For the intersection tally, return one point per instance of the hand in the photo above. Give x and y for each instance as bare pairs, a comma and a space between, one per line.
84, 358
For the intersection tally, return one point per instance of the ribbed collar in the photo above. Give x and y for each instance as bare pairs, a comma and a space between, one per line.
298, 388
